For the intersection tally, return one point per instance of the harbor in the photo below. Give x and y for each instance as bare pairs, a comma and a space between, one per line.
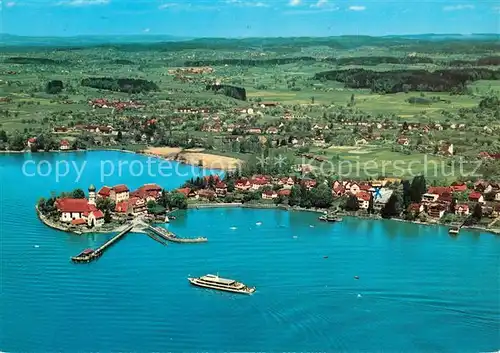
158, 234
89, 255
165, 234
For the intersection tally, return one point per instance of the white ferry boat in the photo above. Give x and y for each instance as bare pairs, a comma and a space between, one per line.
219, 283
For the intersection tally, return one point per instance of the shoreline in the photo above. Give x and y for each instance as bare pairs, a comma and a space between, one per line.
174, 158
299, 209
83, 231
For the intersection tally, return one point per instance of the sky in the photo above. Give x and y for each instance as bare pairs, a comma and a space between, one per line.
247, 18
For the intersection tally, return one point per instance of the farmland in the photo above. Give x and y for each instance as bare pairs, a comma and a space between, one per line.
275, 97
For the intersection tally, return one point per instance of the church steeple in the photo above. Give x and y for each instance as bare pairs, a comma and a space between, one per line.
92, 194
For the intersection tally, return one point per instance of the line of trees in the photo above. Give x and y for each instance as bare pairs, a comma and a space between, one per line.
129, 85
449, 80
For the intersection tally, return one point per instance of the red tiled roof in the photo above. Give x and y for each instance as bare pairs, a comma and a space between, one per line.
439, 190
72, 205
268, 192
151, 187
459, 186
105, 191
462, 205
121, 207
64, 143
184, 191
221, 185
284, 192
475, 195
120, 188
98, 214
415, 206
363, 195
32, 139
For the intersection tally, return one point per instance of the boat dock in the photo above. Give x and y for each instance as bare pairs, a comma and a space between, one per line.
165, 234
89, 255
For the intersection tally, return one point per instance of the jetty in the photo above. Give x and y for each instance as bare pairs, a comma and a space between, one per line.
165, 234
89, 255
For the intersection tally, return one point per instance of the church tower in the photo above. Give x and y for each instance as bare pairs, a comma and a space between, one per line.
92, 194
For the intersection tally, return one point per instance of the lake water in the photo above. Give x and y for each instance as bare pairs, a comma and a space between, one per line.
419, 290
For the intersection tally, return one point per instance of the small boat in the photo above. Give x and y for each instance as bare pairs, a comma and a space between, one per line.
167, 220
329, 218
219, 283
454, 230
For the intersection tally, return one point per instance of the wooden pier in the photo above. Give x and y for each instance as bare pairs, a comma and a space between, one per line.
90, 255
165, 234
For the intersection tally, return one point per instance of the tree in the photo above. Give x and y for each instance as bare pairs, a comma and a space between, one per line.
418, 188
393, 207
295, 195
371, 208
230, 185
3, 136
477, 214
352, 203
178, 200
107, 216
119, 136
78, 194
16, 143
321, 196
105, 204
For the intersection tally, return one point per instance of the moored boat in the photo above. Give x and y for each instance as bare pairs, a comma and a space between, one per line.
219, 283
329, 218
454, 230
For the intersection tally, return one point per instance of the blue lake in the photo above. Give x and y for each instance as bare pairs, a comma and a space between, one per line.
419, 290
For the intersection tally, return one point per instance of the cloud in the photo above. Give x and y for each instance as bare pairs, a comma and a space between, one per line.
496, 9
146, 30
294, 2
84, 2
10, 4
357, 8
458, 7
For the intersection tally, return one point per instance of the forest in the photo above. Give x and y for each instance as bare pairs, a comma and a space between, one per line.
129, 85
448, 80
230, 91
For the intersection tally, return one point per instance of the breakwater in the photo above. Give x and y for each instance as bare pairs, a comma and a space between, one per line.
165, 234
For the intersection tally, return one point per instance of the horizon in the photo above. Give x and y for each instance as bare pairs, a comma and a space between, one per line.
247, 18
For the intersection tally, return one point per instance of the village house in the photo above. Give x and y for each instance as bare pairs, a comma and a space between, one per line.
243, 185
363, 200
268, 104
272, 130
284, 192
476, 197
64, 145
286, 183
381, 198
221, 189
462, 209
117, 193
184, 191
206, 194
403, 141
31, 142
254, 130
416, 208
60, 129
309, 183
446, 149
135, 206
79, 212
269, 195
436, 211
459, 186
148, 192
